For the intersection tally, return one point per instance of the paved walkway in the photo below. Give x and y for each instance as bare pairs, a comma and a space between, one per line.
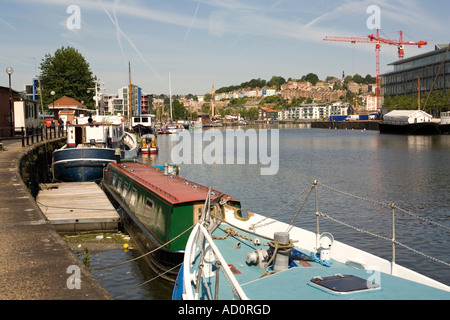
35, 263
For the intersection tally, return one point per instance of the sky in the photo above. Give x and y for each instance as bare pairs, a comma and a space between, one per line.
200, 43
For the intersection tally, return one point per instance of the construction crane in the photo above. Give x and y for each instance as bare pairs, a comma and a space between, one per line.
378, 40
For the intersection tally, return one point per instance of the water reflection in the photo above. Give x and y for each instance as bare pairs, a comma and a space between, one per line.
411, 171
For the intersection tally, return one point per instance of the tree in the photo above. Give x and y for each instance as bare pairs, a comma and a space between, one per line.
276, 82
178, 110
67, 74
311, 77
207, 97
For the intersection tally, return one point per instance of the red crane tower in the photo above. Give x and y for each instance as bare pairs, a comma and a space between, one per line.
378, 40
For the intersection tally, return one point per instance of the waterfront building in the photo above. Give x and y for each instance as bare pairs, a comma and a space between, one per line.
67, 109
309, 111
404, 78
122, 102
267, 113
316, 111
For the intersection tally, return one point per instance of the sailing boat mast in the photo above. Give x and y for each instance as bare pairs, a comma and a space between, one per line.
170, 96
418, 91
130, 108
213, 103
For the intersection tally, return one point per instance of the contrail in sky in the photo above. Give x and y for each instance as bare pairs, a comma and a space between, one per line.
121, 33
192, 22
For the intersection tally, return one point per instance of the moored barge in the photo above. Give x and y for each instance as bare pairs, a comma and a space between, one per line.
157, 210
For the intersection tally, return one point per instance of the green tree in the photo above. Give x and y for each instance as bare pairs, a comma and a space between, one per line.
67, 74
207, 97
276, 82
311, 77
178, 110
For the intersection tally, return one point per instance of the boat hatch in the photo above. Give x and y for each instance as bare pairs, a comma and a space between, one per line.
343, 284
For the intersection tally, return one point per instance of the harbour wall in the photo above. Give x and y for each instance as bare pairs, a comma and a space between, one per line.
35, 165
36, 264
349, 125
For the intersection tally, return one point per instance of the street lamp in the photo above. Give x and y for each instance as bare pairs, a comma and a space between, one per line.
10, 71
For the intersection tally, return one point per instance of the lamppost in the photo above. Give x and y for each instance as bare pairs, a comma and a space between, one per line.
10, 71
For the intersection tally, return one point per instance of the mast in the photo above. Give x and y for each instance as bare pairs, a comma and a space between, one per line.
418, 91
213, 103
130, 108
170, 96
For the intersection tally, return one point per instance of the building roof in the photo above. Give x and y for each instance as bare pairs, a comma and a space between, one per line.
404, 115
67, 103
437, 50
267, 109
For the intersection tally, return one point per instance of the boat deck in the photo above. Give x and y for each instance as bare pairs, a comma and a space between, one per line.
294, 283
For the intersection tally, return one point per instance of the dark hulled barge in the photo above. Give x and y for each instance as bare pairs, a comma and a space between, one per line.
157, 207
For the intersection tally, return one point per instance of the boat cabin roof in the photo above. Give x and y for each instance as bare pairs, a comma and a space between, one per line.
173, 189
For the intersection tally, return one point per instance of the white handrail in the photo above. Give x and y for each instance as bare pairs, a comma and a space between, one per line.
200, 229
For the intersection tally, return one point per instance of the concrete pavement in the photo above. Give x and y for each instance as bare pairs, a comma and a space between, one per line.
35, 263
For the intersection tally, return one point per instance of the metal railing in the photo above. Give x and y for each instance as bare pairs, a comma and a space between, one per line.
31, 135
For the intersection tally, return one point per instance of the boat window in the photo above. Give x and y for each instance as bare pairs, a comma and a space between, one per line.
144, 119
343, 284
148, 208
124, 189
119, 186
114, 179
133, 197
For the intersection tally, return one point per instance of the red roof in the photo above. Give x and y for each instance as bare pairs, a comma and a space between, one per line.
267, 109
173, 189
67, 102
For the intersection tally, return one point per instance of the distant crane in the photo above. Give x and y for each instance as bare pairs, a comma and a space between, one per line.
378, 40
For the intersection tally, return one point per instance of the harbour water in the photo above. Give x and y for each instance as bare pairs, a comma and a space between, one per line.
410, 171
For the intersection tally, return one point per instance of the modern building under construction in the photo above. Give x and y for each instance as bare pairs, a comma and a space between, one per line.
424, 69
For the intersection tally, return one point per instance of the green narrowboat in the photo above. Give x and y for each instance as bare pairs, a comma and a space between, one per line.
157, 207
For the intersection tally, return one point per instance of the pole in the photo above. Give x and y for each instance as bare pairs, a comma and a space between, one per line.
317, 215
170, 95
11, 112
418, 90
130, 115
393, 238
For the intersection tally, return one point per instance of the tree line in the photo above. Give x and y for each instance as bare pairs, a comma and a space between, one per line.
277, 81
434, 103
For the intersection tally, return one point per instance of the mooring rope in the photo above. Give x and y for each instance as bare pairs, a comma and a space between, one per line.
145, 254
145, 282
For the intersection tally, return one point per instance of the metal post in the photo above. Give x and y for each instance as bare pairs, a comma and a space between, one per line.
393, 238
317, 215
23, 136
11, 112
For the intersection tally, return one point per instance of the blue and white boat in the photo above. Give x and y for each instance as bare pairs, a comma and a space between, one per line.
229, 257
91, 144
